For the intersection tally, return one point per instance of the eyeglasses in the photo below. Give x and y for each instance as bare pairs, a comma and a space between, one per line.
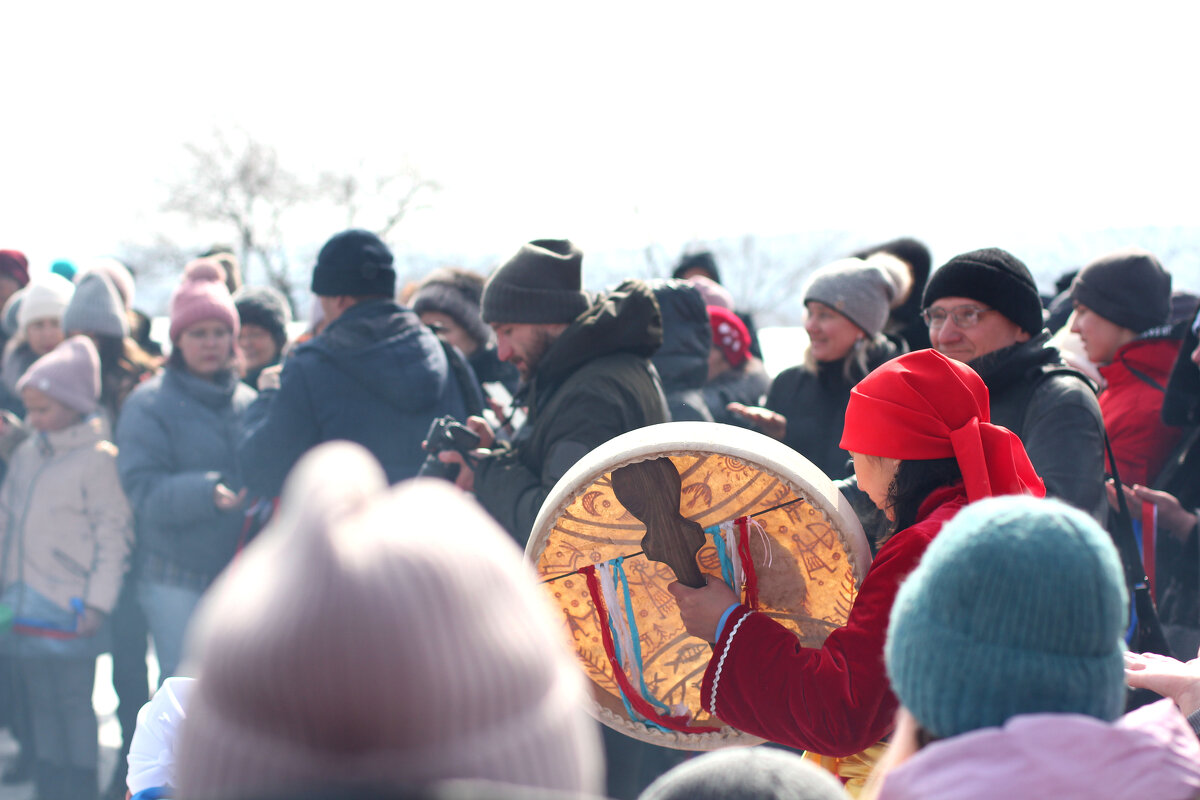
963, 316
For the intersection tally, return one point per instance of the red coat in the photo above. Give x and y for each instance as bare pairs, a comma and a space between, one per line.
835, 700
1132, 408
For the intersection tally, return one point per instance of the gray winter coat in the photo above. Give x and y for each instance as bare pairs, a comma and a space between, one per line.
176, 441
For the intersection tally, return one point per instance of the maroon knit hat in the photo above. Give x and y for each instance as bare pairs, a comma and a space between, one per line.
202, 296
729, 334
13, 264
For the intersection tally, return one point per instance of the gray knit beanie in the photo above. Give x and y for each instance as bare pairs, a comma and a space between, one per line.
1129, 288
862, 291
456, 293
1017, 607
265, 307
353, 643
96, 307
540, 285
746, 773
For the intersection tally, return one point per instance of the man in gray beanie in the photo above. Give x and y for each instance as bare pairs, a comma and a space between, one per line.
983, 308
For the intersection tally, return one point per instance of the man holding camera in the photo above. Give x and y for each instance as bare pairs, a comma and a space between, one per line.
375, 375
585, 372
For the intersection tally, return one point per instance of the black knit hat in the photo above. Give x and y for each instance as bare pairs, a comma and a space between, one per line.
354, 263
995, 278
703, 260
265, 307
457, 294
1129, 288
540, 285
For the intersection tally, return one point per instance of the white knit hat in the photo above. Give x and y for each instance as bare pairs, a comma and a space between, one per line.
47, 296
385, 637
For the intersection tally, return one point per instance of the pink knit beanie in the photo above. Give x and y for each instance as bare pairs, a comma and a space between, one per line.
70, 373
388, 637
202, 296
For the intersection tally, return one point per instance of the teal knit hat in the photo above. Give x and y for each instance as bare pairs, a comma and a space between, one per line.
1018, 607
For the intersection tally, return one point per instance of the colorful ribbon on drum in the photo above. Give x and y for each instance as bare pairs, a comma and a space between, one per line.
609, 589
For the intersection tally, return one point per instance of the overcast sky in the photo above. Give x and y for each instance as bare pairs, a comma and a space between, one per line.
619, 124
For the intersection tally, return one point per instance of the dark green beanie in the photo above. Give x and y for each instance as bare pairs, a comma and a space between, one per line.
1017, 607
540, 285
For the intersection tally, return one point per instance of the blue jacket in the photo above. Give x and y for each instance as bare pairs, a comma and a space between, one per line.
375, 376
176, 439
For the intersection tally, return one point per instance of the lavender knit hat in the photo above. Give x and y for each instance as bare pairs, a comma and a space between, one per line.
357, 641
70, 373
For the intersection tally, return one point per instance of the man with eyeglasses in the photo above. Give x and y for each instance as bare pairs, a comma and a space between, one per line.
983, 309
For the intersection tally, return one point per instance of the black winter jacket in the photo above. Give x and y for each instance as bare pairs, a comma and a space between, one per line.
1054, 411
375, 376
815, 406
594, 383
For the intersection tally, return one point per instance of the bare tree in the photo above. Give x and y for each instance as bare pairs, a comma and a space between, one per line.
767, 275
239, 184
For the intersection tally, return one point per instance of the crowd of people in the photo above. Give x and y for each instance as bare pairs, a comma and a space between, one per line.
1025, 468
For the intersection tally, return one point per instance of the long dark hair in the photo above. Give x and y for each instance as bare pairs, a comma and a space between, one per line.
915, 481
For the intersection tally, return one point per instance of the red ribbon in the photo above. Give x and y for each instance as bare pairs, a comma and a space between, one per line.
639, 703
743, 547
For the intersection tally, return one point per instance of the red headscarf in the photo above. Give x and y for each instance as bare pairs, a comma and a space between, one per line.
924, 406
729, 334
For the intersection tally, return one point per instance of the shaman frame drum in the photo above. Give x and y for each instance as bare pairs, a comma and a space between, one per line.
772, 525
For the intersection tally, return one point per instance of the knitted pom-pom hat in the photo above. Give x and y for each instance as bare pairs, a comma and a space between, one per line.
202, 296
1017, 607
46, 297
861, 291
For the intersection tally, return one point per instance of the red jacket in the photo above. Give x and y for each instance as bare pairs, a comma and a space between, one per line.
835, 700
1132, 408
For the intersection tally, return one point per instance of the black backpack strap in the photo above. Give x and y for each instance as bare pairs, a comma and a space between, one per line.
1045, 372
1149, 636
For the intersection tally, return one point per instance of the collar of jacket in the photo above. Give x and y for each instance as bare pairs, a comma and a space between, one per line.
85, 433
212, 393
625, 320
1001, 368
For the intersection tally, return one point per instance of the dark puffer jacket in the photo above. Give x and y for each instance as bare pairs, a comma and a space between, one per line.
176, 441
594, 383
815, 406
682, 361
375, 376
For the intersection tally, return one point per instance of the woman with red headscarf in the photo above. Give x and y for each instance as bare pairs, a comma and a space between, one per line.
923, 448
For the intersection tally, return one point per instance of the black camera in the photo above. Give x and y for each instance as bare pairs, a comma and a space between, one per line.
447, 433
